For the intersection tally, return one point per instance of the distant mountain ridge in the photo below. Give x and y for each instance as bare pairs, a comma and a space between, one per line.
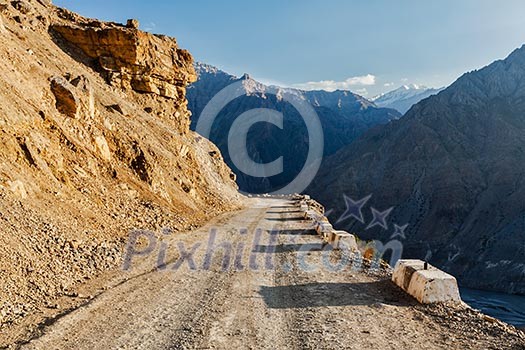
453, 168
343, 115
404, 97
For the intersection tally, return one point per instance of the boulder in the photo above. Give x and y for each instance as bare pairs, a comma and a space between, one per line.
145, 84
133, 59
168, 90
18, 188
86, 95
103, 147
66, 100
74, 97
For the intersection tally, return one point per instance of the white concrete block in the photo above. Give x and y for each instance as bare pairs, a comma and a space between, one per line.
343, 239
427, 286
326, 234
309, 214
323, 227
315, 216
317, 226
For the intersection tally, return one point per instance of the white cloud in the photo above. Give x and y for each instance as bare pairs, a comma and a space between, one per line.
331, 85
404, 80
388, 84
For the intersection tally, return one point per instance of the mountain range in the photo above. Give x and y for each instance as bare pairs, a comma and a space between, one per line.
404, 97
453, 169
343, 115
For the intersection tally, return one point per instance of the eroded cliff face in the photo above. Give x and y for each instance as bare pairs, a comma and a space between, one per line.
133, 59
95, 142
130, 59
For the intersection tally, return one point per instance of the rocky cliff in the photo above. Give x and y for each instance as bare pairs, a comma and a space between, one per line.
452, 168
131, 58
95, 142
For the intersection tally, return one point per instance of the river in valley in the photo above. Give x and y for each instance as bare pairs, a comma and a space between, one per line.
506, 307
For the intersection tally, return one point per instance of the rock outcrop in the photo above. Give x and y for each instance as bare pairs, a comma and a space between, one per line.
132, 23
133, 59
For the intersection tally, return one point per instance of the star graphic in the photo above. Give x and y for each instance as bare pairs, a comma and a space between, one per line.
429, 255
399, 231
379, 218
354, 209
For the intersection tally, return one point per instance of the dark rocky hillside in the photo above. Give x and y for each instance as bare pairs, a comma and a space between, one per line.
453, 169
343, 115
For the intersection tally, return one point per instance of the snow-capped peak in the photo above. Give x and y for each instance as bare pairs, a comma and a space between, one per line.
404, 97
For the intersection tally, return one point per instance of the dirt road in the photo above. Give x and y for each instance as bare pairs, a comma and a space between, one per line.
274, 292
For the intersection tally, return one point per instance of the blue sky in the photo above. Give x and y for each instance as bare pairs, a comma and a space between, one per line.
367, 46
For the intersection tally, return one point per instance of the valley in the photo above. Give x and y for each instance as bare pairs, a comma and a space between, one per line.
149, 200
343, 115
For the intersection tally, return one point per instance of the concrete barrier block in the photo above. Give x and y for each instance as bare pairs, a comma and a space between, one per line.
309, 214
317, 227
315, 216
427, 286
326, 234
322, 218
323, 228
343, 239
